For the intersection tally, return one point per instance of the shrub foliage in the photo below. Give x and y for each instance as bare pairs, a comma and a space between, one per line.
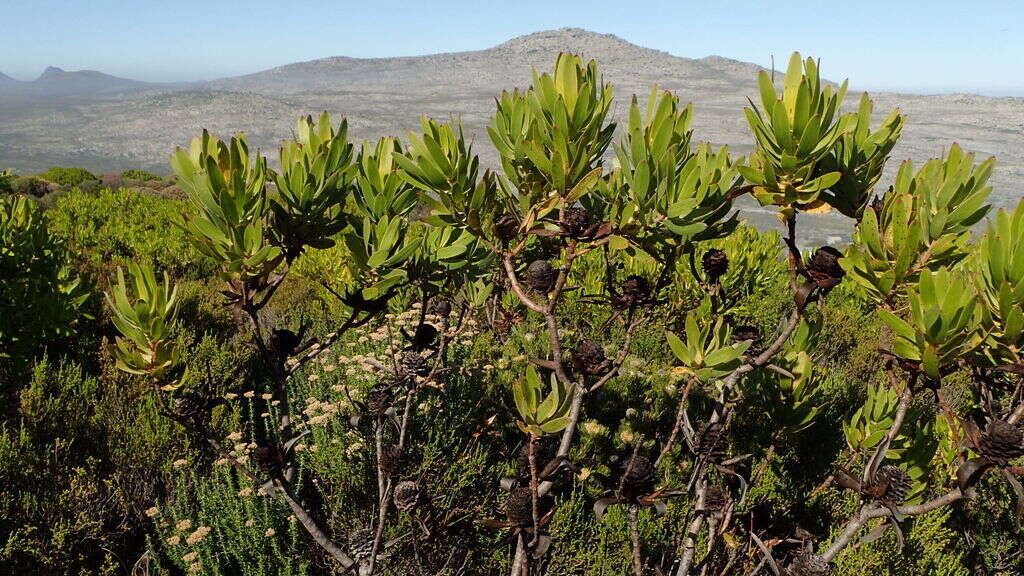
384, 358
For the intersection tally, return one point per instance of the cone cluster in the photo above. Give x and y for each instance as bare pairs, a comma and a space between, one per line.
1001, 442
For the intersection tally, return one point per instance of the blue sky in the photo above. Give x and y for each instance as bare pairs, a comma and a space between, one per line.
934, 46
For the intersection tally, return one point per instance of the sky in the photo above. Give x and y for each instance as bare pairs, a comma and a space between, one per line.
904, 45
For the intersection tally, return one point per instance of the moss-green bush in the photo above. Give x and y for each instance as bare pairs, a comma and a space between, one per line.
114, 227
136, 174
65, 176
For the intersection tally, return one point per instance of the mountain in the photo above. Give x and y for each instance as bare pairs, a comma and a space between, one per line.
57, 84
138, 126
502, 66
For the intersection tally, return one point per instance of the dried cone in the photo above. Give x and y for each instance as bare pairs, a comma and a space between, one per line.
748, 334
575, 221
440, 306
360, 543
519, 506
283, 343
424, 337
715, 499
715, 264
1001, 442
709, 440
506, 227
268, 458
545, 452
390, 459
810, 564
190, 407
541, 276
636, 476
378, 400
636, 291
890, 484
824, 268
407, 495
588, 358
413, 364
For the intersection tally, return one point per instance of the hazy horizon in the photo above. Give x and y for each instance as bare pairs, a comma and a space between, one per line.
917, 47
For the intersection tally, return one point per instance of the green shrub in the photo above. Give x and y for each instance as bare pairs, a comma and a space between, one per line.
77, 461
136, 174
6, 176
29, 186
41, 297
112, 228
64, 176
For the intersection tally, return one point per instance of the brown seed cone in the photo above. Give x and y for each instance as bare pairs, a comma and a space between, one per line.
748, 334
268, 459
824, 267
440, 306
636, 476
545, 452
378, 400
519, 506
715, 264
810, 564
588, 358
575, 221
407, 495
413, 364
391, 459
190, 407
506, 227
424, 337
282, 343
710, 439
890, 484
1001, 442
541, 276
636, 291
716, 499
360, 543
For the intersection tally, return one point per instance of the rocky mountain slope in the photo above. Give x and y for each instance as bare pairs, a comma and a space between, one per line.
126, 127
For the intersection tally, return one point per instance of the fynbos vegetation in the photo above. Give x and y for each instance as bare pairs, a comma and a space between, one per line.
381, 358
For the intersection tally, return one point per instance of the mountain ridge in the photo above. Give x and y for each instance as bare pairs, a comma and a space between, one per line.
58, 84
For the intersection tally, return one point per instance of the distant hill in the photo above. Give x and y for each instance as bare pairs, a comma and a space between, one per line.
502, 66
55, 83
118, 123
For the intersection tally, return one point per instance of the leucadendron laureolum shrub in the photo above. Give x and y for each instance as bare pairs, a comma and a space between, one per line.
389, 358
